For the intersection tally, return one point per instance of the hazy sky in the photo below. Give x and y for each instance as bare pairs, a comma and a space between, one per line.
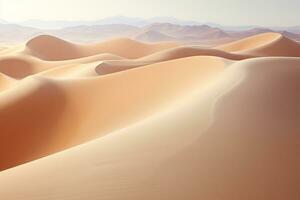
229, 12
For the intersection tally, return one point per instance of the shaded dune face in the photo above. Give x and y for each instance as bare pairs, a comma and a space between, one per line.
251, 149
16, 68
29, 121
47, 47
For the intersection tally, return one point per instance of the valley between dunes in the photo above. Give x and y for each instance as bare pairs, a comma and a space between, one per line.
127, 120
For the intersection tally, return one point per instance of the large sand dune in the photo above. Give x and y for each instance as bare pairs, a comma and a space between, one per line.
58, 49
116, 104
128, 120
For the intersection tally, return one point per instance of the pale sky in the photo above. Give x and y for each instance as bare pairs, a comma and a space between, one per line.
227, 12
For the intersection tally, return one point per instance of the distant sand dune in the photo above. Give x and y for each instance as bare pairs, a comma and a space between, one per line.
120, 50
19, 67
187, 51
58, 49
266, 44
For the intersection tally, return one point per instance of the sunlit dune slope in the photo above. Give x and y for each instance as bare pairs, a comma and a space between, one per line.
234, 138
187, 51
251, 149
5, 82
266, 44
54, 114
19, 66
47, 47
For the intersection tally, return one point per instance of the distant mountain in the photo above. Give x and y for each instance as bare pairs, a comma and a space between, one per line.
88, 34
153, 36
155, 32
231, 28
171, 20
294, 29
255, 31
15, 33
290, 35
196, 32
132, 21
249, 32
58, 24
141, 22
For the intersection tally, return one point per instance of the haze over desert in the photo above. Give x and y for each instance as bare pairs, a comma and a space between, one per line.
132, 109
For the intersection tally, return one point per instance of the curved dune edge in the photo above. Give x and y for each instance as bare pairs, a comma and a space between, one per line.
252, 42
234, 130
58, 49
19, 66
69, 112
266, 44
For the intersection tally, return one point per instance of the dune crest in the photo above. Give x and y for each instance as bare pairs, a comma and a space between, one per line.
266, 44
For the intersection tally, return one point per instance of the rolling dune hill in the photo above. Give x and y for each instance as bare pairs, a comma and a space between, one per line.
123, 119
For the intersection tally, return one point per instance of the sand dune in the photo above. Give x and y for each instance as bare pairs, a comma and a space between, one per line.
266, 44
187, 51
128, 120
69, 96
232, 139
113, 66
19, 66
263, 45
251, 149
58, 49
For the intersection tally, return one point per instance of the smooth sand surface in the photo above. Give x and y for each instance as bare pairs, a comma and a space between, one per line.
181, 123
266, 44
57, 49
5, 82
117, 103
